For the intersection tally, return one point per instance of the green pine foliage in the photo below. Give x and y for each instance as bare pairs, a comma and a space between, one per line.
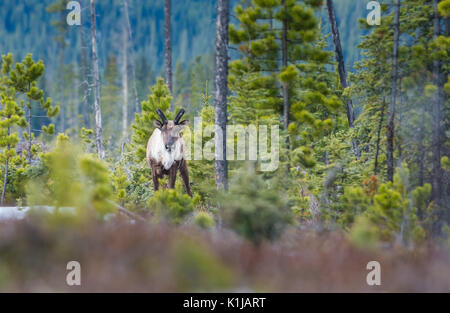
24, 77
204, 220
70, 178
254, 208
201, 172
171, 205
12, 117
396, 212
258, 36
159, 98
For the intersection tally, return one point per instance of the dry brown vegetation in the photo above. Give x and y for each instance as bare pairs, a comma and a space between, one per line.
119, 256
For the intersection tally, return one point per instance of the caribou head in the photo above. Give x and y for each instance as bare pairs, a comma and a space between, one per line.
170, 130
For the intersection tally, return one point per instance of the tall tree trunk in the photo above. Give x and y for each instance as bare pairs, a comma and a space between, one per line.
399, 125
220, 99
29, 132
421, 160
167, 44
76, 97
29, 136
436, 137
284, 63
63, 86
341, 70
5, 179
85, 75
97, 107
132, 58
125, 89
391, 120
380, 126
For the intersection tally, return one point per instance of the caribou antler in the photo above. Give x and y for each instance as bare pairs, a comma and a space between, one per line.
178, 117
162, 116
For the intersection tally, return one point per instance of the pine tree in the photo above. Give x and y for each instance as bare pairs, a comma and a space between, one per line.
12, 116
276, 51
24, 79
278, 45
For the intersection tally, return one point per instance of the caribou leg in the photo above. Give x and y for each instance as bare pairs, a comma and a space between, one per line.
155, 174
155, 181
184, 172
172, 176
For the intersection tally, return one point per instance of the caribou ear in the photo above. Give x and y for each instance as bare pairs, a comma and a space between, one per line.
179, 127
157, 124
183, 123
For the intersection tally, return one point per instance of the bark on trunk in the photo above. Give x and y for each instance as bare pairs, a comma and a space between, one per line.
63, 86
76, 98
125, 89
85, 73
167, 44
97, 107
284, 64
29, 136
399, 126
5, 179
132, 58
421, 147
221, 88
391, 121
340, 59
380, 126
341, 70
436, 137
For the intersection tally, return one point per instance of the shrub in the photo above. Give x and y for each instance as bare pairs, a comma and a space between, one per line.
69, 178
393, 214
171, 205
254, 210
204, 220
364, 234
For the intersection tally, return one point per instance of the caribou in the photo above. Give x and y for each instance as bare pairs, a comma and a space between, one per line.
165, 151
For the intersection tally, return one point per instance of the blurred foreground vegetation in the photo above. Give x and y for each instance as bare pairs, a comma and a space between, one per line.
118, 256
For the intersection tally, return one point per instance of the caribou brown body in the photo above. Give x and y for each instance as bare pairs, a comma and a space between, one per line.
165, 151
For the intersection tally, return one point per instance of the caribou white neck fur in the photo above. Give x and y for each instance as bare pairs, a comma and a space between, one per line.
157, 151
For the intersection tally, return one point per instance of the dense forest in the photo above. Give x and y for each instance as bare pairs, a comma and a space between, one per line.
355, 165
